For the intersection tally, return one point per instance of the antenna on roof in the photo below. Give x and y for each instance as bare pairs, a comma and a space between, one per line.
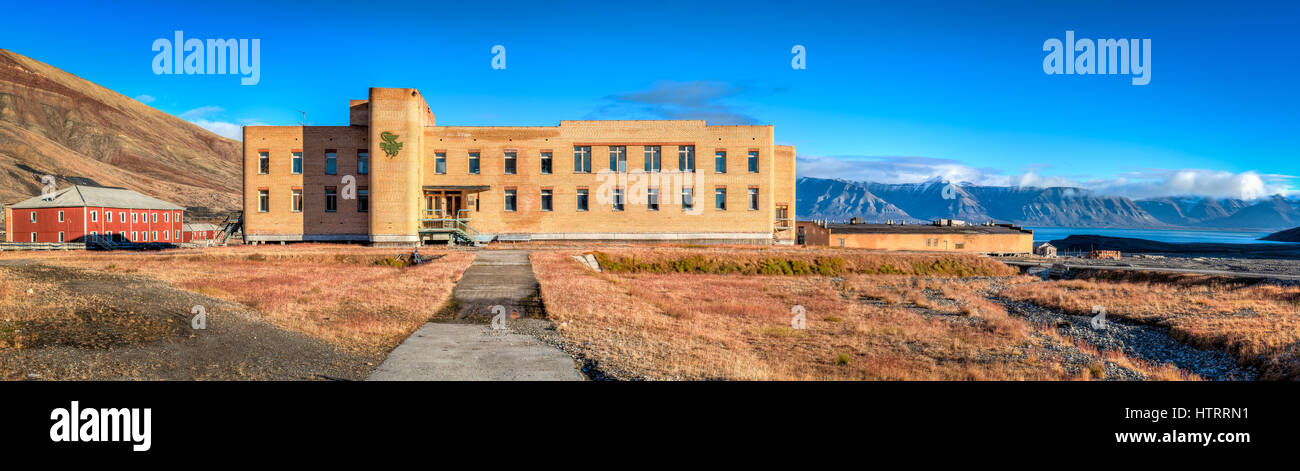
304, 118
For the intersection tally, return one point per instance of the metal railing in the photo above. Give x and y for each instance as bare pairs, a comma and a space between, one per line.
42, 246
437, 220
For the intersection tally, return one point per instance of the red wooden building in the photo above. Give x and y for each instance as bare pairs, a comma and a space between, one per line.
77, 212
198, 232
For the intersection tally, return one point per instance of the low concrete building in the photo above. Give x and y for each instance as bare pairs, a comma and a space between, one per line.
812, 233
941, 236
1045, 250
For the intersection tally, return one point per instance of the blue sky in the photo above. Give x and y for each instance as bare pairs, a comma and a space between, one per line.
898, 91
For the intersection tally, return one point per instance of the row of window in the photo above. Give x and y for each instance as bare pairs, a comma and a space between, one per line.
108, 216
652, 161
512, 199
331, 162
618, 203
166, 236
331, 200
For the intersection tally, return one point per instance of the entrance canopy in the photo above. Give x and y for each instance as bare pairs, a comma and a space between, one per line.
457, 187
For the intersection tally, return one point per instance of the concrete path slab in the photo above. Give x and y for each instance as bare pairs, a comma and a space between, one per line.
474, 352
458, 351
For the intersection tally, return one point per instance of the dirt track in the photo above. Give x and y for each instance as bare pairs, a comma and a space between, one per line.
109, 326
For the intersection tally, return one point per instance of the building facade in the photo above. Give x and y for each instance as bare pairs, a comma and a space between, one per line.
941, 236
394, 177
75, 213
198, 232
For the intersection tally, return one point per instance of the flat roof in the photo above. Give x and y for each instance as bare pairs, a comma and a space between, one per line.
924, 229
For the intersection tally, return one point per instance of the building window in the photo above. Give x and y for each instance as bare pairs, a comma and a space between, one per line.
546, 163
720, 161
263, 201
618, 158
753, 161
33, 237
440, 163
688, 199
296, 202
121, 216
331, 199
155, 236
32, 216
135, 236
296, 166
473, 163
155, 218
546, 200
60, 216
108, 216
144, 234
753, 199
686, 158
167, 217
363, 199
263, 163
582, 199
720, 199
167, 235
363, 161
653, 161
582, 159
512, 165
652, 199
94, 216
135, 217
511, 197
331, 163
618, 199
60, 236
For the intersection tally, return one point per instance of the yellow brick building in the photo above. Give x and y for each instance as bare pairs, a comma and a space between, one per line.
393, 177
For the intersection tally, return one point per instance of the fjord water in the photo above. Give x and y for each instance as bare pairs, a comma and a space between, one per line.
1044, 234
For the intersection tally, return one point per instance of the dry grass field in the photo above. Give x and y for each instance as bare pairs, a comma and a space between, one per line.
1258, 323
350, 296
669, 314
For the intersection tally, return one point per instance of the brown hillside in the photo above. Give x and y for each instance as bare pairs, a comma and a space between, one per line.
55, 123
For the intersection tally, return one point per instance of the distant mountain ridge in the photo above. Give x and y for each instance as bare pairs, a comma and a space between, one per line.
835, 199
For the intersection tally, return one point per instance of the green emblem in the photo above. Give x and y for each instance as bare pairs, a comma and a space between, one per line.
390, 144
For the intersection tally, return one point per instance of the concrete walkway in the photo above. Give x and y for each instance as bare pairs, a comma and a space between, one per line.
466, 350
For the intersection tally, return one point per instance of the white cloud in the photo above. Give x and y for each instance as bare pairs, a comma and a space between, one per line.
146, 99
896, 170
209, 117
1137, 185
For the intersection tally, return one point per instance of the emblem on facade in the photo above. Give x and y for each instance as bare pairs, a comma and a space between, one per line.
390, 145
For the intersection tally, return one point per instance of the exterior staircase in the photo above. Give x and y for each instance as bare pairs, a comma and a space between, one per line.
233, 223
457, 229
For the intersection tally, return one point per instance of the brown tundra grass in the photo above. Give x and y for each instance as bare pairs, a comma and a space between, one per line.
673, 326
340, 294
1259, 323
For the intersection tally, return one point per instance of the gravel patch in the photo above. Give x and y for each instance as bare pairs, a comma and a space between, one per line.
1150, 343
